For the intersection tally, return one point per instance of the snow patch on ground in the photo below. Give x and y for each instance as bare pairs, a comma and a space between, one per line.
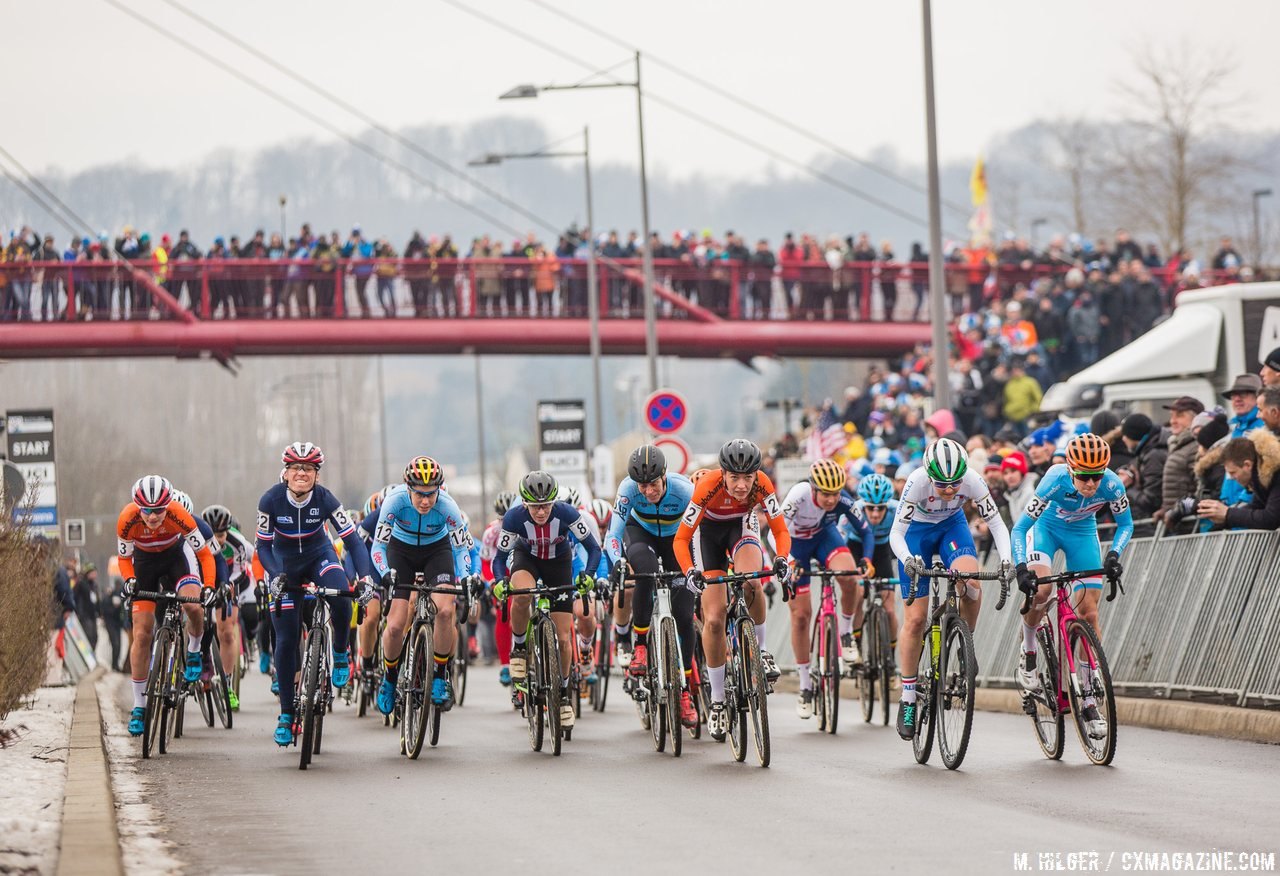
33, 770
145, 850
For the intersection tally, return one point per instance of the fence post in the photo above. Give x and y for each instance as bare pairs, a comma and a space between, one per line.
339, 291
204, 290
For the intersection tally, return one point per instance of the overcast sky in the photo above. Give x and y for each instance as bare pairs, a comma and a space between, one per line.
103, 87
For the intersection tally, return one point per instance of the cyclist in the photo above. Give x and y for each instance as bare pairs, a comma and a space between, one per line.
237, 553
367, 636
645, 518
811, 510
160, 545
879, 507
930, 520
420, 529
727, 498
488, 551
584, 618
294, 548
1076, 492
536, 536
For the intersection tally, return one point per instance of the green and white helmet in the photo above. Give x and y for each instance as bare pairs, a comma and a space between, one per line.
945, 461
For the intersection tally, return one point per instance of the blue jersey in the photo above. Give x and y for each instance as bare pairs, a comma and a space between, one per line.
544, 542
291, 533
399, 520
1070, 513
661, 518
879, 530
221, 572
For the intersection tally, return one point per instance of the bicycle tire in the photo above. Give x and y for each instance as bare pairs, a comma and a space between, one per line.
550, 660
307, 712
866, 675
219, 685
957, 678
883, 639
703, 692
757, 692
1083, 640
604, 663
675, 679
922, 741
655, 705
734, 681
417, 703
324, 688
173, 696
179, 709
161, 648
1043, 705
831, 674
458, 665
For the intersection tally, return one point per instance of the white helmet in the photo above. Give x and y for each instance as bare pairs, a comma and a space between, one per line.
152, 491
945, 461
185, 501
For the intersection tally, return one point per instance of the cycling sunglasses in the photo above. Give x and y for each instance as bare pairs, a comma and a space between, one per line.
947, 485
1088, 476
875, 507
152, 512
424, 494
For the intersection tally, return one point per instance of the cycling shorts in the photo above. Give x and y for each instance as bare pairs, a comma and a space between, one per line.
716, 541
554, 572
948, 540
434, 560
164, 571
822, 547
1080, 547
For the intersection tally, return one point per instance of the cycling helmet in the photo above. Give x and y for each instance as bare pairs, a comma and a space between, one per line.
945, 461
700, 474
423, 471
602, 512
152, 491
185, 501
1088, 452
827, 475
373, 503
302, 451
875, 489
572, 496
502, 504
740, 456
538, 487
646, 464
217, 516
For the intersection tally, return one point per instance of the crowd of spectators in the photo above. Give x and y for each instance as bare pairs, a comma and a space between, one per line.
805, 277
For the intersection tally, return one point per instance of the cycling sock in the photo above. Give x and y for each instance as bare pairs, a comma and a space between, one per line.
908, 689
1028, 639
806, 683
846, 624
857, 635
368, 664
586, 646
193, 643
715, 675
441, 662
139, 693
622, 631
640, 636
517, 639
760, 638
392, 666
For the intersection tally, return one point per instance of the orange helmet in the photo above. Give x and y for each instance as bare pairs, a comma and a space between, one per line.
1088, 452
700, 474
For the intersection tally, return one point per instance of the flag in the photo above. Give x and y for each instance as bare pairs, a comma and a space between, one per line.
978, 183
980, 223
825, 443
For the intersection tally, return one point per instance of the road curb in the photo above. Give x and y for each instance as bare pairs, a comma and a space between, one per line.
1201, 719
89, 843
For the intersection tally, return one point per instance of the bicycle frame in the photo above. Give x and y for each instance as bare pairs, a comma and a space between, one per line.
1060, 604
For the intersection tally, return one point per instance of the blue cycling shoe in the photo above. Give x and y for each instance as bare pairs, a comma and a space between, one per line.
341, 669
504, 676
275, 687
264, 663
442, 694
284, 730
195, 665
137, 724
386, 700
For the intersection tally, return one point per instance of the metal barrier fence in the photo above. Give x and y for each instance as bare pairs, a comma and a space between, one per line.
1199, 619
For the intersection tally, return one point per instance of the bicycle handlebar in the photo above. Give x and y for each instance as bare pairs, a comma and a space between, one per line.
165, 597
1068, 577
939, 571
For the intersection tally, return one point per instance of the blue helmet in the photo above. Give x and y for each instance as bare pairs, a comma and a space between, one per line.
875, 489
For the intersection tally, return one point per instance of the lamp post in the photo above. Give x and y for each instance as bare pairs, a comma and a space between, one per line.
650, 307
593, 286
1258, 194
937, 291
1036, 223
283, 237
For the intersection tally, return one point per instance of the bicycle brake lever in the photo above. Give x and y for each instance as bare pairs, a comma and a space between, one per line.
1026, 603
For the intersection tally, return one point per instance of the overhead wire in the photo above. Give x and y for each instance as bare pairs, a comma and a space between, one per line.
33, 180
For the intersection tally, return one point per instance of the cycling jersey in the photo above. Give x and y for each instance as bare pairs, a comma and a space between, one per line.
806, 521
580, 553
921, 506
546, 541
1074, 517
489, 548
132, 534
712, 501
221, 575
399, 520
237, 553
291, 532
661, 518
879, 530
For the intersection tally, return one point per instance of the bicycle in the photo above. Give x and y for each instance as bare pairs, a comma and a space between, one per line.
745, 685
824, 664
212, 690
166, 690
602, 648
660, 689
948, 668
877, 652
467, 607
539, 694
314, 695
1077, 650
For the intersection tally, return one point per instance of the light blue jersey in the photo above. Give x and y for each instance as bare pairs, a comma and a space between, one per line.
1058, 517
879, 530
661, 518
399, 520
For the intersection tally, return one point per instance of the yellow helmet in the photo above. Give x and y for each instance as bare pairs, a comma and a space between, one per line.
827, 475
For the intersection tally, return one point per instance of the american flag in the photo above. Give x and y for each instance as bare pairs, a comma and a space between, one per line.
827, 438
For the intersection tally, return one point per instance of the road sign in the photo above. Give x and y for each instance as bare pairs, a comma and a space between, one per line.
562, 446
676, 452
29, 442
73, 534
666, 411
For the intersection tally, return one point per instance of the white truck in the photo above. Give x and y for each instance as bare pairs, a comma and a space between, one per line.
1212, 335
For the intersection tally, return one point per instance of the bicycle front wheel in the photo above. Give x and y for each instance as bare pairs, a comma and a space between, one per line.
1043, 704
757, 691
172, 699
549, 658
922, 741
161, 654
604, 662
734, 699
417, 703
828, 663
675, 683
458, 666
957, 678
219, 685
883, 658
1090, 684
532, 696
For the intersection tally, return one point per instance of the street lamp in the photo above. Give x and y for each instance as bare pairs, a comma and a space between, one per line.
1036, 223
593, 286
650, 309
283, 237
937, 291
1258, 194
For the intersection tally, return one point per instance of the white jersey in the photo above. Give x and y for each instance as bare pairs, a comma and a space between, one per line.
920, 503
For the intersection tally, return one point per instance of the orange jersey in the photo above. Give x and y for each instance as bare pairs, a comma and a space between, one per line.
132, 534
259, 574
711, 500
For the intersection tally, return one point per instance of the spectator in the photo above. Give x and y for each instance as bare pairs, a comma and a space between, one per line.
919, 285
1019, 484
1243, 396
1179, 477
790, 258
1143, 477
1127, 249
545, 268
1145, 304
86, 599
1269, 408
1250, 462
1270, 372
386, 271
760, 279
255, 289
359, 252
1022, 394
1227, 255
888, 279
1018, 332
113, 618
64, 602
857, 407
1051, 327
1084, 324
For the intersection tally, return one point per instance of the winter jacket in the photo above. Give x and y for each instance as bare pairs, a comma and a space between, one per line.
1146, 493
1241, 425
1264, 511
1021, 398
1179, 469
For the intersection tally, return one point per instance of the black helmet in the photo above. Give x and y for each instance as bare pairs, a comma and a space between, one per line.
646, 464
502, 504
740, 456
538, 487
217, 516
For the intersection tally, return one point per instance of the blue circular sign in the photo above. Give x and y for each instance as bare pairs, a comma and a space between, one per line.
665, 411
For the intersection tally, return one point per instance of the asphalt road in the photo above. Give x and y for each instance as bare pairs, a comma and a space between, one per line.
482, 800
